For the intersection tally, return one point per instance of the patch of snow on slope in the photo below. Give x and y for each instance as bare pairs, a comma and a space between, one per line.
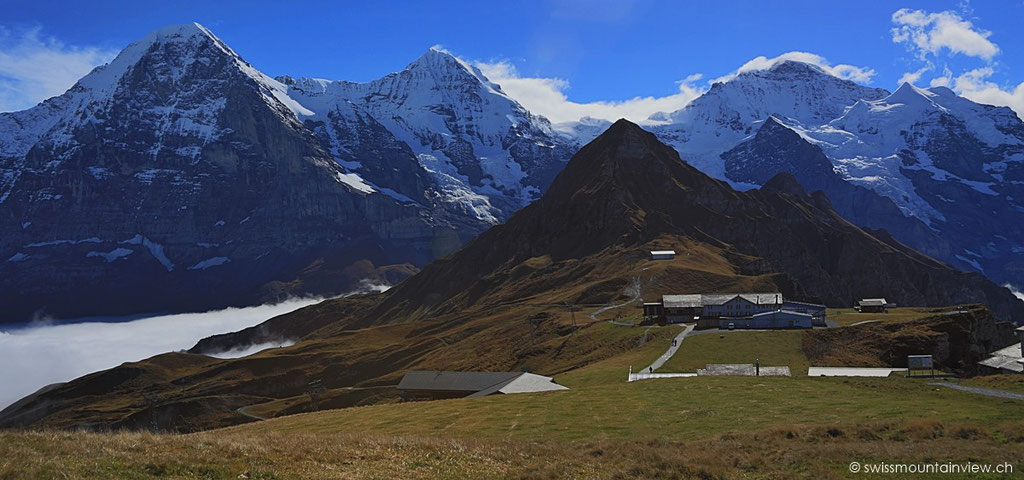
112, 255
155, 249
18, 257
61, 242
355, 181
210, 262
974, 263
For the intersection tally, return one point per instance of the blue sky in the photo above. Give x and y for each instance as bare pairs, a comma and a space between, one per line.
558, 56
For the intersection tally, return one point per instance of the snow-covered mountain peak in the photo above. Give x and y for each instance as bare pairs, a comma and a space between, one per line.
943, 92
796, 90
487, 154
794, 68
908, 94
446, 71
190, 35
175, 78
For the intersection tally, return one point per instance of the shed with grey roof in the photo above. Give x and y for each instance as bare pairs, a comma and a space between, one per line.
872, 305
422, 384
663, 254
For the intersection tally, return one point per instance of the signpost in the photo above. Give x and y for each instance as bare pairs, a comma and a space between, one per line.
920, 362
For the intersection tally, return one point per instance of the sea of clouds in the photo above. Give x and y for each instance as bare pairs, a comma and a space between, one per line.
42, 353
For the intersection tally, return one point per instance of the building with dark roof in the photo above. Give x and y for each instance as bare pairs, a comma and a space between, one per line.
742, 310
690, 307
872, 305
423, 385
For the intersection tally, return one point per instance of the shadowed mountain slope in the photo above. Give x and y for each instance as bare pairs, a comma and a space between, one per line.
626, 189
496, 303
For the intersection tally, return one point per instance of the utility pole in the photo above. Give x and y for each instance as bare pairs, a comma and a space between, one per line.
534, 326
572, 312
315, 387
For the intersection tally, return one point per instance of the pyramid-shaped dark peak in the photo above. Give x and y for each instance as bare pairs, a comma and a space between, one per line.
772, 124
784, 182
626, 156
625, 140
775, 128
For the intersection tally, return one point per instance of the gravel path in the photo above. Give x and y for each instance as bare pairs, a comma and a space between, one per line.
245, 411
988, 392
671, 350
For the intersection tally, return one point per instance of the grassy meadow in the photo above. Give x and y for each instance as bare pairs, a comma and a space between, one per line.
603, 427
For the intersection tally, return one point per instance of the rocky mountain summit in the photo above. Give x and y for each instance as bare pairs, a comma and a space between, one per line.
952, 168
179, 177
626, 190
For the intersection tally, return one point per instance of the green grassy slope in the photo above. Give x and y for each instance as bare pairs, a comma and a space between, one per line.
776, 348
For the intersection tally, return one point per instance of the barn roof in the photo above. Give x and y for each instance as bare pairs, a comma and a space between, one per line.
782, 312
478, 384
682, 301
454, 381
697, 300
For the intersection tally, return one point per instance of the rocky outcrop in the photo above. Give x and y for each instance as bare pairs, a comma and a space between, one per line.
499, 302
951, 167
626, 189
179, 178
777, 148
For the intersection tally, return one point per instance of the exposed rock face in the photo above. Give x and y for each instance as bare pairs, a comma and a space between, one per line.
776, 148
487, 154
952, 167
626, 188
178, 177
490, 305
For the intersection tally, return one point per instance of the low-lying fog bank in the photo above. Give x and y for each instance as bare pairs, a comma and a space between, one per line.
42, 353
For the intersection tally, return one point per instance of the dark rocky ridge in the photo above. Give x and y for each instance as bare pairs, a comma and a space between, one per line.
626, 188
584, 241
258, 200
776, 148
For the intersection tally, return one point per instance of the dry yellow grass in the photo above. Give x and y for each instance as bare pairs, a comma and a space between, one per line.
812, 452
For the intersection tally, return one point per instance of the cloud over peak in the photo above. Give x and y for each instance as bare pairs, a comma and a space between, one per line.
929, 33
846, 72
548, 97
34, 67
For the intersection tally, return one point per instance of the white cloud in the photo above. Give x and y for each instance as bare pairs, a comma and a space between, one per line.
34, 67
848, 72
976, 86
42, 354
913, 77
547, 96
929, 33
